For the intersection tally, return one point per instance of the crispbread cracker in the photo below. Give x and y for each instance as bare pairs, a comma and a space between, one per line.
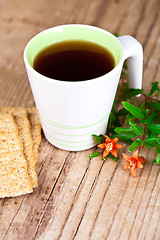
22, 121
35, 129
14, 178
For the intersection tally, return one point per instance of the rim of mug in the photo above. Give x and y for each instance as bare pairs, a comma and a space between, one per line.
72, 82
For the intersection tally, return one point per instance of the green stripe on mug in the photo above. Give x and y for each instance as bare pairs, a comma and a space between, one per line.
77, 135
69, 127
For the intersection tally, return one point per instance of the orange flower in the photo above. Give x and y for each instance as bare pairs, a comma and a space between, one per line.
110, 146
133, 162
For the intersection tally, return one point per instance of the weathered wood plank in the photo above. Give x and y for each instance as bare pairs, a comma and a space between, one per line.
98, 194
153, 212
79, 198
75, 173
140, 200
85, 195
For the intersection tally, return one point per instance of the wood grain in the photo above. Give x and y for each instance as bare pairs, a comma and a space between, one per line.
79, 198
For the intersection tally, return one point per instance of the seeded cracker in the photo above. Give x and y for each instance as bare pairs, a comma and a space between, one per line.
14, 178
22, 121
35, 129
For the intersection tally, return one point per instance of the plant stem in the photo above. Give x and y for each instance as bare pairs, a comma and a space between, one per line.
144, 134
150, 98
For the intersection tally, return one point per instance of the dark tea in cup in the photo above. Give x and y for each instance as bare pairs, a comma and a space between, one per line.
74, 60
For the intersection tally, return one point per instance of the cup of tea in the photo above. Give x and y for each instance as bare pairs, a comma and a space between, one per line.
74, 71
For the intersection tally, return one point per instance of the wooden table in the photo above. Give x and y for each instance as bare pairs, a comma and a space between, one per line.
79, 198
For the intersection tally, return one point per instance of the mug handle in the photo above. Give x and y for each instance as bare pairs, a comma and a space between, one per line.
133, 52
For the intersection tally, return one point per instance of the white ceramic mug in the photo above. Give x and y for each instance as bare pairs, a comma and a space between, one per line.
71, 112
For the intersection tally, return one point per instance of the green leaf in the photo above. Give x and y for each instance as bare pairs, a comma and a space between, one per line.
143, 106
155, 106
135, 111
132, 93
154, 128
109, 131
124, 136
152, 139
122, 112
158, 159
113, 157
152, 144
117, 122
157, 150
140, 121
152, 118
154, 89
154, 161
123, 73
125, 66
135, 144
128, 141
137, 129
99, 139
112, 118
146, 113
124, 130
129, 117
148, 145
95, 154
116, 34
148, 133
153, 134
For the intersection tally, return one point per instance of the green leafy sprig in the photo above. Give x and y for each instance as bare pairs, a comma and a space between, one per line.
142, 121
144, 128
